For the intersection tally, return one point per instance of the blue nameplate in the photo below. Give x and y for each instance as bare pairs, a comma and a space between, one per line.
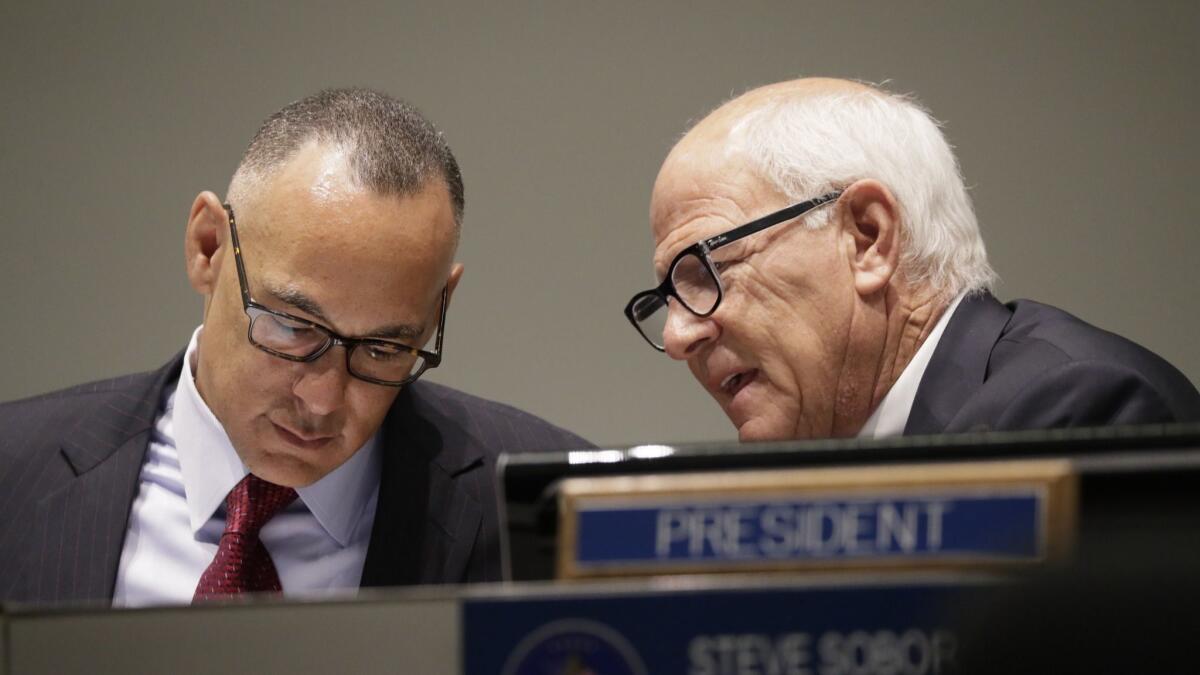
909, 517
781, 628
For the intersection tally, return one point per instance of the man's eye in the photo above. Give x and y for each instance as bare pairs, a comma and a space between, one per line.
381, 353
291, 328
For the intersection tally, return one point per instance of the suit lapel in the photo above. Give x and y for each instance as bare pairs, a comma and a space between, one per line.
78, 530
428, 519
958, 366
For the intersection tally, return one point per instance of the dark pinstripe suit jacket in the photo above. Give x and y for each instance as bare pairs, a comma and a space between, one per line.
70, 462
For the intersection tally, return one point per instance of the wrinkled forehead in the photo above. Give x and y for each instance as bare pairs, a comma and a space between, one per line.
714, 150
686, 180
410, 230
711, 179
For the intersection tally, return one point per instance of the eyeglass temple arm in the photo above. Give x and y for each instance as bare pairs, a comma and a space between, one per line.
237, 256
442, 321
768, 220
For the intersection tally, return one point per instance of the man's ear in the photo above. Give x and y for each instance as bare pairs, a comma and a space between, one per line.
206, 233
456, 272
870, 220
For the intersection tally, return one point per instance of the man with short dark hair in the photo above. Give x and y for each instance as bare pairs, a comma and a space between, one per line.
290, 447
822, 274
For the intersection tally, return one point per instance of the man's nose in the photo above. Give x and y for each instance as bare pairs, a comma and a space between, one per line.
322, 383
685, 333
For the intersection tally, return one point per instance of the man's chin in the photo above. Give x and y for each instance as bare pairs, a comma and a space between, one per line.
756, 430
283, 469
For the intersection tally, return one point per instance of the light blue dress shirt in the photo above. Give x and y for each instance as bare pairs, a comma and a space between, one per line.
318, 543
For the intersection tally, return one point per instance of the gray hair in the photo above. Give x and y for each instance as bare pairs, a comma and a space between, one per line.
392, 148
812, 144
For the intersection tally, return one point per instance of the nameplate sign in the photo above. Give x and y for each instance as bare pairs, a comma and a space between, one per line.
894, 628
933, 516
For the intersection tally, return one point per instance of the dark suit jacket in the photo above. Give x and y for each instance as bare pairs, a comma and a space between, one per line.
70, 463
1026, 365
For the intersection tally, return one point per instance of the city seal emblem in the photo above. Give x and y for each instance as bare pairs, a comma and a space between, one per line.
574, 647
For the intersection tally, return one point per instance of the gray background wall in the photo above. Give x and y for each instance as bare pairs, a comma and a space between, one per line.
1074, 123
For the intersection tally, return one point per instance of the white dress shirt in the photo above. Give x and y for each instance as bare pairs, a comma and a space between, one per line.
318, 543
891, 415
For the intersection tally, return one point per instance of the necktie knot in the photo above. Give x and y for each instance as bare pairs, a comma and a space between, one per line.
242, 563
253, 502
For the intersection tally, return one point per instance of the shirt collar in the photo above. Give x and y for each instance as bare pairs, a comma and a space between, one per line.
211, 466
891, 415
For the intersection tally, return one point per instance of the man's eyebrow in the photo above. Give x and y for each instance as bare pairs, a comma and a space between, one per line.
403, 332
297, 299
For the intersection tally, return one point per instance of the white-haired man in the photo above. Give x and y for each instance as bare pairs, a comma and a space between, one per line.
822, 274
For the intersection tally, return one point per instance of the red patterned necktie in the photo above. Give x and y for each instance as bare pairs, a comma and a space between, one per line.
242, 564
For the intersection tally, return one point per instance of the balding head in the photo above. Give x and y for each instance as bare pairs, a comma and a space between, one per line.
805, 137
388, 145
717, 124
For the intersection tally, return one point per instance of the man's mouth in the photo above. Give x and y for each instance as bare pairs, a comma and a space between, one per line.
735, 382
300, 439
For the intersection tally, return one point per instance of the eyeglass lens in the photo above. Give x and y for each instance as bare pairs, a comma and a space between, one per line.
375, 360
288, 337
694, 285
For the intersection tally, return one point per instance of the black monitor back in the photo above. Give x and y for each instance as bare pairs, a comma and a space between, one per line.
1139, 487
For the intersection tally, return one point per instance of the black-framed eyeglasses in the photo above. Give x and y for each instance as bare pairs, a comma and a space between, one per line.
384, 362
693, 280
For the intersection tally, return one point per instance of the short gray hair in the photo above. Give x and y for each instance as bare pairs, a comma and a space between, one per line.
392, 148
811, 144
